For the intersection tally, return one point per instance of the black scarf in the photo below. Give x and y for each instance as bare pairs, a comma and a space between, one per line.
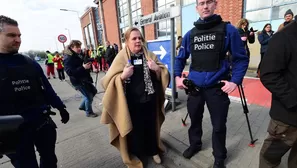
210, 24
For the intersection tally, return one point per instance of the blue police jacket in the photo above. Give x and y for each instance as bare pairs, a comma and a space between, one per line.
233, 44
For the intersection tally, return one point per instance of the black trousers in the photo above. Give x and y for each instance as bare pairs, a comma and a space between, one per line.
102, 62
61, 74
218, 104
142, 140
43, 136
262, 54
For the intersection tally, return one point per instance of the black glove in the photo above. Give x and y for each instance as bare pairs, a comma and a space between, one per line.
64, 115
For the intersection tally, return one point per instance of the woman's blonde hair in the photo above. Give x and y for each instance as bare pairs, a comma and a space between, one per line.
241, 22
129, 31
143, 41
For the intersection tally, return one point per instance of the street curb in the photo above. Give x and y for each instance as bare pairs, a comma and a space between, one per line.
199, 159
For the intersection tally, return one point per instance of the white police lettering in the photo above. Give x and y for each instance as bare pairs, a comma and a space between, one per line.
22, 88
204, 46
21, 85
204, 42
204, 38
19, 82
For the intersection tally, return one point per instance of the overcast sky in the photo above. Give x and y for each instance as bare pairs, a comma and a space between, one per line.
41, 21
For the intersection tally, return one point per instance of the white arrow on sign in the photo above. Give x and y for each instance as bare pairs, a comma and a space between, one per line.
162, 52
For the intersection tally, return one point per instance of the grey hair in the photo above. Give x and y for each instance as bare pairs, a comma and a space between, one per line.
4, 20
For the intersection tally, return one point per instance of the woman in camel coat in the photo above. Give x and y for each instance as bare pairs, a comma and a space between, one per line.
133, 101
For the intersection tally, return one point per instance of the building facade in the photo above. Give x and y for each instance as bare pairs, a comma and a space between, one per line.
119, 15
91, 27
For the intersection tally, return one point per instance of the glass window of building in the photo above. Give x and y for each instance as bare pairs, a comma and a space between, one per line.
123, 16
123, 8
258, 15
98, 25
188, 2
87, 36
279, 11
135, 10
260, 12
282, 2
257, 4
92, 37
163, 27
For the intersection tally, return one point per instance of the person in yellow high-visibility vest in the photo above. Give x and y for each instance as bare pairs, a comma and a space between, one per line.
93, 54
58, 60
50, 65
101, 54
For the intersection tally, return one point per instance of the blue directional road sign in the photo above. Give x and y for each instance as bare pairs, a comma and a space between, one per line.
163, 51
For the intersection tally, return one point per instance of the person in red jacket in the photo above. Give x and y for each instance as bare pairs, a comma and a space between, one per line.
58, 60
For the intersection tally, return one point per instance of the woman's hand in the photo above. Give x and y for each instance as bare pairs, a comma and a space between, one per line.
244, 38
128, 72
153, 66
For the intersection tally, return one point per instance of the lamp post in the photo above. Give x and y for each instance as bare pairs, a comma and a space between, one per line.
68, 33
69, 10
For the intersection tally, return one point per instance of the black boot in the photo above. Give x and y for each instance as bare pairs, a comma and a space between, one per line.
219, 164
191, 151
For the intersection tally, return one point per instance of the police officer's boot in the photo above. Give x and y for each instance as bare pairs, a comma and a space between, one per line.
219, 164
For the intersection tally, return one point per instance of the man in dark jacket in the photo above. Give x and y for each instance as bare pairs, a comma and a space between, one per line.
116, 48
77, 69
27, 93
109, 53
279, 76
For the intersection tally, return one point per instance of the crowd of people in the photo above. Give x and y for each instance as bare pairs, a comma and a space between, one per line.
135, 83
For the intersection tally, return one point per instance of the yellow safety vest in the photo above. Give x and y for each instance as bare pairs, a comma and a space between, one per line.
50, 58
101, 51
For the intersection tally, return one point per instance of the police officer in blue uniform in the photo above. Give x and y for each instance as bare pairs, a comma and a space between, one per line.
208, 42
26, 92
